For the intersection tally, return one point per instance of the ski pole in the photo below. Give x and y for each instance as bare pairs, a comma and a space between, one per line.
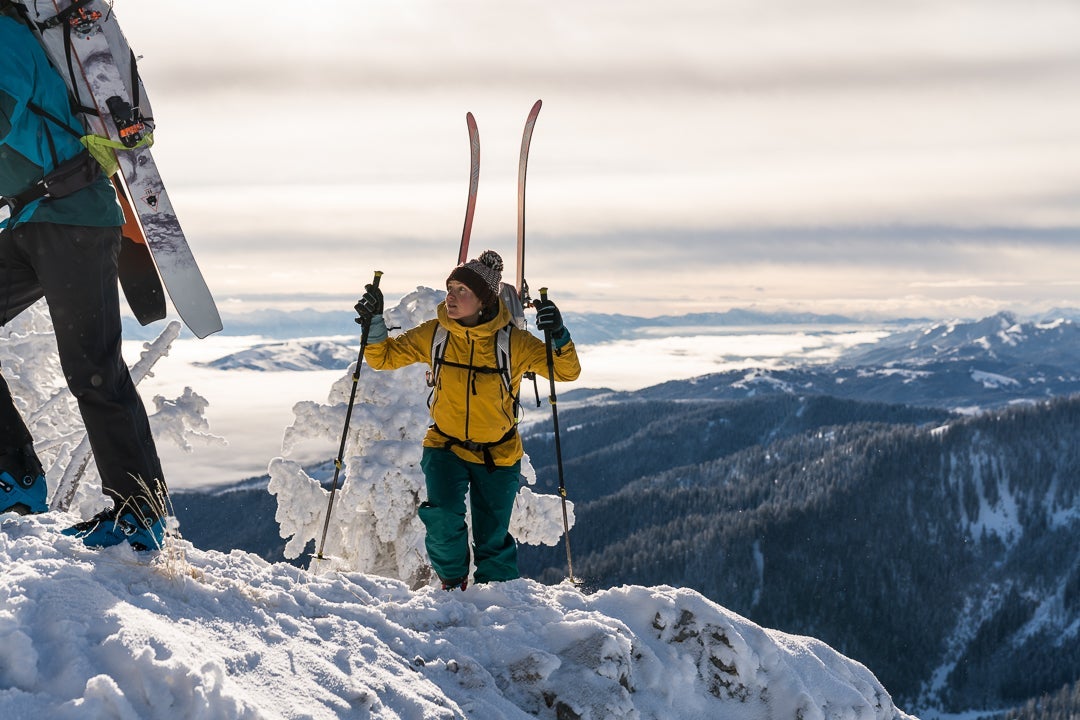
558, 445
345, 431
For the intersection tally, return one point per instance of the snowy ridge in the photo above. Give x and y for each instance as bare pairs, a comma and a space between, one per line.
1000, 337
102, 634
292, 355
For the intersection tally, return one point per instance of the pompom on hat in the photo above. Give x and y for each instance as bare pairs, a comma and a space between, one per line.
482, 275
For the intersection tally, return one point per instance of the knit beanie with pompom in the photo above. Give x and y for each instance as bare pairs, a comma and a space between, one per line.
482, 275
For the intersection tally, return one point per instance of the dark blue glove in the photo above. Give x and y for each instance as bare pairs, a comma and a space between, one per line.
549, 319
370, 305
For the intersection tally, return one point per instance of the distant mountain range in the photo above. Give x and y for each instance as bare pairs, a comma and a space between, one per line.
588, 328
593, 328
272, 324
1001, 338
985, 363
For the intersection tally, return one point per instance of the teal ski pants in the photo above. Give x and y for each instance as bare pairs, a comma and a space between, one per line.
491, 498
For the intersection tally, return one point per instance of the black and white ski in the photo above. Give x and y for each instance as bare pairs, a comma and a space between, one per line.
85, 42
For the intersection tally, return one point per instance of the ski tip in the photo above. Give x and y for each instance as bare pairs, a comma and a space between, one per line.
536, 105
205, 330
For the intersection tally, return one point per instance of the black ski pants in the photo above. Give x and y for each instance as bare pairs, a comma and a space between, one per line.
75, 269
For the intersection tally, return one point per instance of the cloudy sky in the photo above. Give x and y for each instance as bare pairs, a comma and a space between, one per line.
830, 155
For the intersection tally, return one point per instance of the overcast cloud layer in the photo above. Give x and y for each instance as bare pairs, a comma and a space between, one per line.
841, 155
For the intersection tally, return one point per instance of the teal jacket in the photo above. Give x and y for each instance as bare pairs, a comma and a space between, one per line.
31, 146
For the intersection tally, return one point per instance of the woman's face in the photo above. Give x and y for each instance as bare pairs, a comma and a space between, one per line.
462, 304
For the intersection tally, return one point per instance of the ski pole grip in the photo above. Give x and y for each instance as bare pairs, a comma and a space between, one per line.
543, 294
378, 274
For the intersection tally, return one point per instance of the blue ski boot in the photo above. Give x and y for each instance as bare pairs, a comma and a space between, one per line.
22, 482
134, 523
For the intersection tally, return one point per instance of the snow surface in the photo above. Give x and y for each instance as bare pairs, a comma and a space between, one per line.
192, 634
993, 380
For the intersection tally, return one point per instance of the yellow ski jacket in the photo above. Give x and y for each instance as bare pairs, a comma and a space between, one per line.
467, 404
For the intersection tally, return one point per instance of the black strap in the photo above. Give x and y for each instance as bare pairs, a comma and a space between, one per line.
46, 115
465, 366
135, 83
474, 369
62, 18
484, 448
69, 176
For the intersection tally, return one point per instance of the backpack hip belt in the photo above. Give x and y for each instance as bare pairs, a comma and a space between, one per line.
69, 176
477, 447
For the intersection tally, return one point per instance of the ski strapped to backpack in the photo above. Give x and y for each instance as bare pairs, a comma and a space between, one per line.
439, 341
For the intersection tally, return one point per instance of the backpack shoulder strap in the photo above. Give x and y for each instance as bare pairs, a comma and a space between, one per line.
438, 351
503, 362
502, 356
438, 342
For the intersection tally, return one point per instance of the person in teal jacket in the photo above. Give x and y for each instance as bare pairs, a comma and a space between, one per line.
66, 250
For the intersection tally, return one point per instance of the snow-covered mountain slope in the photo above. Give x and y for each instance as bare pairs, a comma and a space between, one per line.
111, 634
1000, 337
957, 365
290, 355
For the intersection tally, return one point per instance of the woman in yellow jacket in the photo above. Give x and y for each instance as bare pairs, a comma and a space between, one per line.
473, 445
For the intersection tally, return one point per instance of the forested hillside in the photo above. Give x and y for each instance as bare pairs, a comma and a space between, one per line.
1062, 705
954, 544
605, 446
